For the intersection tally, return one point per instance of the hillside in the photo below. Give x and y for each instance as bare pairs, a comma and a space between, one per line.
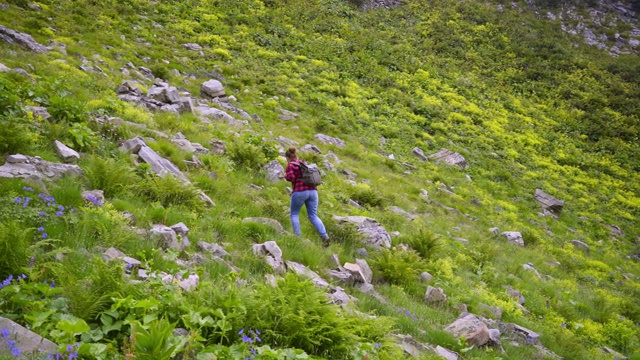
480, 164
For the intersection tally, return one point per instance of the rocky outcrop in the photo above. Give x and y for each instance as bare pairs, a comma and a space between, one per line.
24, 40
26, 340
266, 221
274, 170
449, 157
471, 328
22, 166
373, 233
548, 202
67, 154
513, 237
161, 97
212, 89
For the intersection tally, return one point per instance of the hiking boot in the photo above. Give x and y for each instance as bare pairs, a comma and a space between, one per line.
325, 241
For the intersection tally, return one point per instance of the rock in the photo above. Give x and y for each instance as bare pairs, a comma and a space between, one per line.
374, 233
516, 294
162, 92
513, 237
214, 249
548, 202
356, 273
112, 254
167, 238
494, 230
419, 153
67, 154
4, 68
39, 112
449, 157
580, 245
348, 173
159, 165
212, 88
22, 166
217, 115
133, 145
218, 147
529, 267
615, 354
329, 140
274, 170
26, 340
273, 255
496, 312
311, 148
93, 196
266, 221
287, 115
192, 46
446, 353
435, 295
24, 40
426, 277
469, 327
307, 273
397, 210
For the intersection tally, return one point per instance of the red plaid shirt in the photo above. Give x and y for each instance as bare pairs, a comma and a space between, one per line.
294, 175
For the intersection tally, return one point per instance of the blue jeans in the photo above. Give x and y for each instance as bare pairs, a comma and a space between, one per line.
309, 198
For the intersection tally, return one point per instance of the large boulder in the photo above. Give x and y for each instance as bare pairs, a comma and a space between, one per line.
274, 170
548, 202
373, 233
329, 140
67, 154
22, 166
471, 328
25, 40
449, 157
26, 340
212, 88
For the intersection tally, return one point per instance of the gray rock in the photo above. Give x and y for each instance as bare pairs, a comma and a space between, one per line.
22, 166
273, 255
214, 249
307, 273
513, 237
435, 295
362, 252
26, 340
494, 230
39, 112
274, 170
133, 145
446, 353
471, 328
159, 165
311, 148
373, 233
212, 88
167, 238
192, 46
218, 147
329, 140
548, 202
419, 153
180, 229
216, 115
4, 68
24, 40
266, 221
496, 312
97, 195
356, 273
287, 115
112, 254
516, 294
449, 157
426, 277
397, 210
580, 245
365, 269
67, 154
162, 92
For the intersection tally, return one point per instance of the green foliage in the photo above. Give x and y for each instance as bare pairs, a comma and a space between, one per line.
83, 137
425, 243
168, 190
366, 196
113, 176
397, 265
155, 340
251, 152
14, 244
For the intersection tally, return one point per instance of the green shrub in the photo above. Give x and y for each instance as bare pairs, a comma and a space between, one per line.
14, 243
251, 152
169, 190
366, 196
113, 176
397, 265
425, 243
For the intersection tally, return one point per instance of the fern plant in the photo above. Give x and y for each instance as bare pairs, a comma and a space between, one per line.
155, 341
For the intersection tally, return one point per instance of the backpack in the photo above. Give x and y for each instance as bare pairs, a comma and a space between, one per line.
310, 174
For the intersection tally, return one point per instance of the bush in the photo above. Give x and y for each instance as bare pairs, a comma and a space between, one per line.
425, 243
109, 175
14, 242
397, 265
251, 152
169, 190
366, 196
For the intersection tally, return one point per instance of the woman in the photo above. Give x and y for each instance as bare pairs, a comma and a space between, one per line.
303, 195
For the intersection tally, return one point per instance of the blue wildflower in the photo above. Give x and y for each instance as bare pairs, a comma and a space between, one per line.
53, 284
4, 332
73, 355
41, 228
246, 339
15, 351
241, 331
26, 201
377, 345
10, 344
59, 213
44, 235
564, 325
60, 207
42, 213
17, 200
26, 188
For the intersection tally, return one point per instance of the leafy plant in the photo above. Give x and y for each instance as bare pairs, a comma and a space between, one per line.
397, 265
425, 243
155, 340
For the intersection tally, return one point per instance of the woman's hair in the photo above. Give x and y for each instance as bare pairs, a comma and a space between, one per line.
291, 153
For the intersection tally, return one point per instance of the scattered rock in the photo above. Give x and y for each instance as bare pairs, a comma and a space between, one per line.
435, 295
548, 202
471, 328
449, 157
329, 140
192, 46
67, 154
273, 255
426, 277
513, 237
39, 112
274, 170
374, 233
516, 294
419, 153
287, 115
212, 88
580, 245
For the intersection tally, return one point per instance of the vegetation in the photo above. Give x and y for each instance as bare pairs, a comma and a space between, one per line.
529, 107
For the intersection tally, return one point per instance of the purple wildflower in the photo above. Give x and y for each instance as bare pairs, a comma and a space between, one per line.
41, 228
53, 284
564, 325
26, 202
4, 332
59, 213
246, 339
15, 351
42, 213
60, 207
17, 200
26, 188
10, 344
44, 235
241, 331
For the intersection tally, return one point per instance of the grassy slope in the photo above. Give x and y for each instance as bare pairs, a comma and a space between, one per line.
526, 109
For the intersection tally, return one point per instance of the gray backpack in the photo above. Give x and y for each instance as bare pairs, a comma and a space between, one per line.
310, 174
